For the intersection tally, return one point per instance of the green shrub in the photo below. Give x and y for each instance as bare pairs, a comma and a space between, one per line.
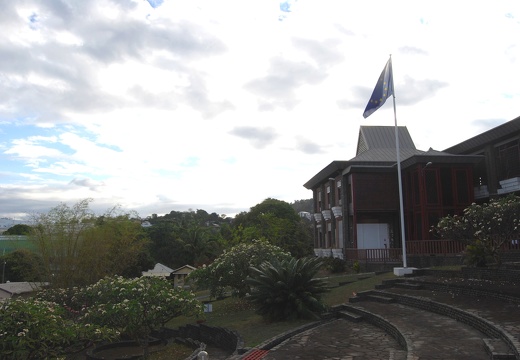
287, 289
335, 265
230, 270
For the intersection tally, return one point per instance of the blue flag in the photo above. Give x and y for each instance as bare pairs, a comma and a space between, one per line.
384, 88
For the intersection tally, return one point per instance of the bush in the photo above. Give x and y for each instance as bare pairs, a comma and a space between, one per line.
485, 229
287, 289
230, 270
134, 307
335, 265
38, 329
356, 267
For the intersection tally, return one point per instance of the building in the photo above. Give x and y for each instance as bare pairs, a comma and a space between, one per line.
356, 202
178, 275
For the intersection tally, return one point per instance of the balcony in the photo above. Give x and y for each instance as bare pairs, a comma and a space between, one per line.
317, 217
481, 191
327, 214
336, 210
509, 185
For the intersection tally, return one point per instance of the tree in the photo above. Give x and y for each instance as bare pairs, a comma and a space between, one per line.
181, 238
37, 329
132, 307
276, 221
78, 248
302, 205
22, 265
287, 289
484, 228
230, 270
19, 229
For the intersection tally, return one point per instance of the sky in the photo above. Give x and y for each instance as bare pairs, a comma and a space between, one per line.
181, 105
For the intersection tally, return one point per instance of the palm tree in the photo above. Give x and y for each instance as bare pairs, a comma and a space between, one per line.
288, 289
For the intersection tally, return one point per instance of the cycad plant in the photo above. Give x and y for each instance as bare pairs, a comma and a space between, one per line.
288, 289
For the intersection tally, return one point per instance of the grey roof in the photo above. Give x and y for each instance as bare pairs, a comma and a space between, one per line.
10, 289
383, 137
376, 149
497, 134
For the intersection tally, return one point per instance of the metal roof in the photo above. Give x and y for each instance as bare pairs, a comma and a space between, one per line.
382, 137
376, 148
495, 135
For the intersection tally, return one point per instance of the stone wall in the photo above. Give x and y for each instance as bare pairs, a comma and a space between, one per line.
212, 335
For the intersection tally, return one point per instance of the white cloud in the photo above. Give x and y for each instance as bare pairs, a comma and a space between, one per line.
171, 105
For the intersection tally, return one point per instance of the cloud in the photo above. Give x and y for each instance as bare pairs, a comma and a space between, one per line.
87, 183
278, 88
258, 137
412, 50
308, 147
414, 91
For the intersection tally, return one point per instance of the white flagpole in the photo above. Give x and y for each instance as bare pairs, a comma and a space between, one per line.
403, 240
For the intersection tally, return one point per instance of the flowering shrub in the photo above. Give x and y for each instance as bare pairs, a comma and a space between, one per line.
38, 329
484, 228
134, 307
231, 269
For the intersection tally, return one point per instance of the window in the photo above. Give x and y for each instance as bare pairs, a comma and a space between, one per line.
508, 160
462, 186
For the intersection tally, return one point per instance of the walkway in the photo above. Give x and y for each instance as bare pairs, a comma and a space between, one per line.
430, 336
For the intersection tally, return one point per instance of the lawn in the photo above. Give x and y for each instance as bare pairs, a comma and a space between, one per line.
238, 314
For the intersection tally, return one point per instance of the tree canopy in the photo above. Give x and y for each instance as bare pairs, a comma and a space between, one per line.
77, 247
277, 222
484, 228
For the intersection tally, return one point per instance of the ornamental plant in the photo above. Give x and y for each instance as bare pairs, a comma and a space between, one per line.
288, 289
230, 270
485, 229
37, 329
134, 307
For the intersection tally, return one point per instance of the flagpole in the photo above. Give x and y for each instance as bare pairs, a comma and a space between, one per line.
403, 240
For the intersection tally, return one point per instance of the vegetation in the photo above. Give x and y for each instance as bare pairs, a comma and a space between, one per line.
38, 329
240, 315
78, 248
193, 238
277, 222
22, 265
19, 229
288, 289
132, 308
484, 229
230, 270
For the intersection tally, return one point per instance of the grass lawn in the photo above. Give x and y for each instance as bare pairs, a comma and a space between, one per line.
239, 315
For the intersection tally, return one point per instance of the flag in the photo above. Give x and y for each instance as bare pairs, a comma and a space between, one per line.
384, 88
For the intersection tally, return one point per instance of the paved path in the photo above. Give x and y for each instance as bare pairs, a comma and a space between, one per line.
430, 336
501, 312
339, 340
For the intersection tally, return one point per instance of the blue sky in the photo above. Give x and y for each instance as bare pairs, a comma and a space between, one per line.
215, 105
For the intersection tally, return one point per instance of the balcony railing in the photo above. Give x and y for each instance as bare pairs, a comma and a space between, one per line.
415, 248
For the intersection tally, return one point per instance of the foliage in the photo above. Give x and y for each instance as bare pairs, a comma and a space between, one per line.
303, 205
356, 267
134, 307
19, 229
277, 222
78, 248
181, 238
22, 265
334, 265
37, 329
231, 269
287, 289
484, 228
